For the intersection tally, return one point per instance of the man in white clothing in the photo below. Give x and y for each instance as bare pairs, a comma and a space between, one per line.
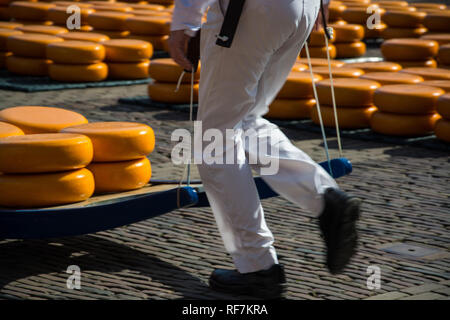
237, 84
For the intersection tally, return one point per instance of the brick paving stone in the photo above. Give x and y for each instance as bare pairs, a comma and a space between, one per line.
424, 296
388, 296
423, 288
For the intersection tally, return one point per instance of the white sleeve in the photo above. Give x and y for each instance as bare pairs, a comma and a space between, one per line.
188, 14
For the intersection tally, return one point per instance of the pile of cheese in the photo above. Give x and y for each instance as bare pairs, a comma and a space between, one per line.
54, 156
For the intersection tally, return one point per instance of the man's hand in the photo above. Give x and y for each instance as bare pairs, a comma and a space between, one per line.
319, 21
178, 43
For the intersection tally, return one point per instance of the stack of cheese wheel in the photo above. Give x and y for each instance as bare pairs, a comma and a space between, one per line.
77, 61
361, 15
165, 73
348, 40
379, 66
437, 20
29, 53
110, 23
403, 24
120, 150
128, 58
335, 12
444, 56
410, 52
295, 99
354, 102
386, 78
442, 127
429, 73
30, 12
443, 84
405, 109
317, 47
4, 53
59, 16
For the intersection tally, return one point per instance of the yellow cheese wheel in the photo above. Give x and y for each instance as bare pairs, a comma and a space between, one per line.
429, 63
165, 92
321, 62
338, 22
45, 152
120, 176
350, 50
114, 34
23, 10
290, 108
429, 73
348, 118
386, 78
8, 130
30, 45
151, 13
148, 25
85, 36
335, 11
444, 54
348, 92
9, 25
27, 66
108, 20
36, 119
394, 33
33, 22
382, 66
404, 19
409, 49
167, 70
70, 3
440, 38
127, 50
45, 189
3, 57
375, 32
128, 71
4, 34
359, 15
443, 84
117, 141
298, 85
403, 124
158, 42
317, 38
51, 30
438, 21
442, 130
299, 67
443, 106
78, 72
111, 8
338, 72
147, 6
59, 15
407, 99
382, 3
75, 52
347, 33
320, 52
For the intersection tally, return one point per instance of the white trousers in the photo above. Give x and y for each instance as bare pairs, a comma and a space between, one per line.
237, 86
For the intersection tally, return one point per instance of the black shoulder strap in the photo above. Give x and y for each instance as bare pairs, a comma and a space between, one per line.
230, 23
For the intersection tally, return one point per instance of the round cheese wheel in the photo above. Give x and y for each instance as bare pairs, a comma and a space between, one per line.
167, 70
387, 78
8, 130
165, 92
442, 130
338, 72
321, 62
290, 109
440, 38
70, 3
444, 54
382, 3
84, 28
403, 124
404, 19
429, 63
429, 73
427, 5
438, 21
148, 25
114, 21
84, 36
382, 66
4, 34
443, 84
158, 42
9, 25
347, 33
51, 30
407, 99
335, 11
114, 34
59, 15
31, 45
120, 176
151, 13
35, 119
338, 22
375, 32
394, 33
45, 152
45, 189
298, 85
348, 92
3, 57
33, 22
27, 66
320, 52
409, 49
78, 72
350, 50
111, 8
317, 38
299, 67
128, 71
75, 52
147, 6
127, 50
359, 15
30, 10
443, 106
348, 118
117, 141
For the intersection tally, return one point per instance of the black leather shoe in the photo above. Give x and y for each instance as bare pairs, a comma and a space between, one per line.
266, 284
338, 225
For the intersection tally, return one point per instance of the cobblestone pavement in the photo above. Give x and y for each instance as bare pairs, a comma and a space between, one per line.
405, 191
